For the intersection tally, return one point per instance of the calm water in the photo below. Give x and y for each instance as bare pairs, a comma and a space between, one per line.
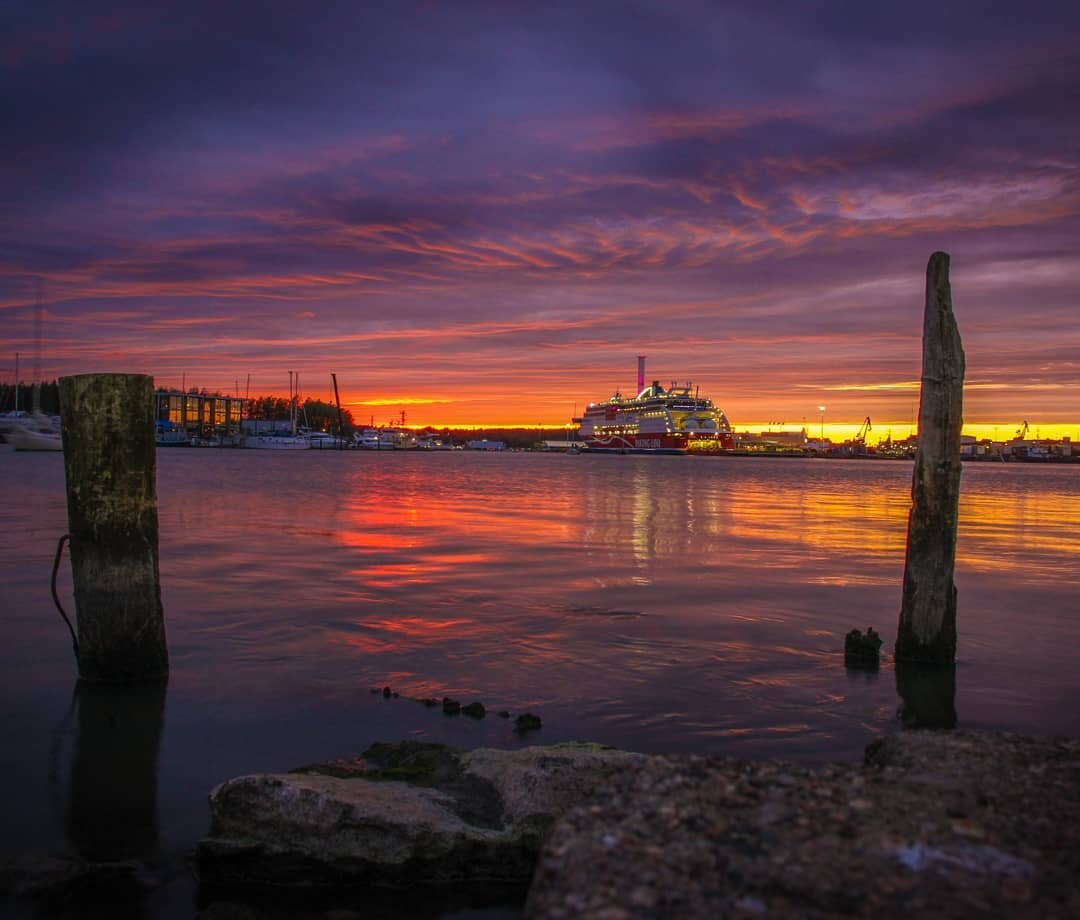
654, 603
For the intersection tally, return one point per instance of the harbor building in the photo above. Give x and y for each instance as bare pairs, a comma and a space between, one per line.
772, 442
194, 418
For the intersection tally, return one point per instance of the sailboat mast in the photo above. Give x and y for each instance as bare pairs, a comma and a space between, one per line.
35, 383
340, 423
292, 403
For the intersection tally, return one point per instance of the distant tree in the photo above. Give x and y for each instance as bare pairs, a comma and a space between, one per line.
319, 415
269, 408
48, 396
323, 416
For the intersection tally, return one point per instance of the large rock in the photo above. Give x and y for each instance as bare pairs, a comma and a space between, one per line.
934, 824
402, 814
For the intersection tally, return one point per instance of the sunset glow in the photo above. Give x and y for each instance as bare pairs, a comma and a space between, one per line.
480, 213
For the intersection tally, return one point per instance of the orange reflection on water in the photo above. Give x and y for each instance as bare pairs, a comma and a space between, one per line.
1039, 538
867, 518
416, 626
382, 634
381, 540
417, 573
519, 565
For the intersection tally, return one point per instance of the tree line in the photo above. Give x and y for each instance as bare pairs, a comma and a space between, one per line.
47, 392
319, 415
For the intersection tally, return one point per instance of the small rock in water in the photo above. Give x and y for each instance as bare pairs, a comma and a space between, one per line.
386, 691
475, 710
862, 651
450, 707
527, 722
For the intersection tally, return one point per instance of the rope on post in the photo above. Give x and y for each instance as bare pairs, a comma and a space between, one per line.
56, 597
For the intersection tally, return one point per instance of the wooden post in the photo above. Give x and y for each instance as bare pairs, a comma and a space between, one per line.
927, 630
107, 425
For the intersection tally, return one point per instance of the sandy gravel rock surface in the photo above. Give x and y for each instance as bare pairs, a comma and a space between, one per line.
402, 814
934, 824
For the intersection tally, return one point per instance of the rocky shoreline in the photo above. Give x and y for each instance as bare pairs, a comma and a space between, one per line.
930, 823
935, 823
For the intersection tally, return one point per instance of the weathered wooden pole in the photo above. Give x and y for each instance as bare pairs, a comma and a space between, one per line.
927, 630
107, 425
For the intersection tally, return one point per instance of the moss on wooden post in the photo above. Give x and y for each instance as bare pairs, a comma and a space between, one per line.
107, 424
927, 630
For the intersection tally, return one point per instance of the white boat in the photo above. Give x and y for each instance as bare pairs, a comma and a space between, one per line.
35, 439
275, 440
21, 421
433, 442
368, 439
397, 439
282, 440
322, 440
30, 431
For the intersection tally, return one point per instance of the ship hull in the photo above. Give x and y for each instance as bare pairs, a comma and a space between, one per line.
655, 444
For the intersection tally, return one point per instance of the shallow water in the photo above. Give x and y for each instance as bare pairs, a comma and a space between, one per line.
654, 603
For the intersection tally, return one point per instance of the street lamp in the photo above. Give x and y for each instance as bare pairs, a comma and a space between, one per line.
821, 440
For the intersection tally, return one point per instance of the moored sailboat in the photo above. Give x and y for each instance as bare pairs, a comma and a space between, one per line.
281, 440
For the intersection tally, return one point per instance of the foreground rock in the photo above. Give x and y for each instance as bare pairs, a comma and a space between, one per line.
934, 824
403, 814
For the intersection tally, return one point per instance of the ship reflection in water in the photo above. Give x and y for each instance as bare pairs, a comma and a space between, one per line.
654, 603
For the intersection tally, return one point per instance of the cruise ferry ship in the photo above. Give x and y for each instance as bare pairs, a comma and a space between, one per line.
676, 420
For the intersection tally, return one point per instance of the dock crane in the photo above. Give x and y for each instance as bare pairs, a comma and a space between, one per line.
866, 428
1021, 431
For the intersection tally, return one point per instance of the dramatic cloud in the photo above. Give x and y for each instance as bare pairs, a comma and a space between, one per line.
484, 210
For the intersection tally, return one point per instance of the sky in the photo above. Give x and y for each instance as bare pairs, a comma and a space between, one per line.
482, 212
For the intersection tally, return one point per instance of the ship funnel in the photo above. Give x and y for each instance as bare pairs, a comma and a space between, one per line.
640, 373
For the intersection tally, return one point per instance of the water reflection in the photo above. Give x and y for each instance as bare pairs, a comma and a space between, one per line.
112, 804
597, 578
656, 604
592, 584
927, 695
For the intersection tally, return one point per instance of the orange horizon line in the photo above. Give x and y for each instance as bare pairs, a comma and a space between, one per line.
1000, 431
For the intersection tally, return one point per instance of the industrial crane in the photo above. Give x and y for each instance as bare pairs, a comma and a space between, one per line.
1022, 430
866, 428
